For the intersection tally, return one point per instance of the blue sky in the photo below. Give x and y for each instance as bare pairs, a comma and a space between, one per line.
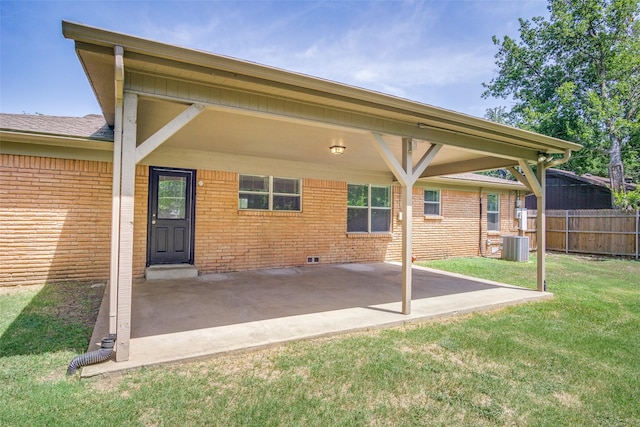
435, 52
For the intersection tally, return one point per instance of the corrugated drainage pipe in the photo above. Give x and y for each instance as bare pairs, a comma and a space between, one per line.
93, 357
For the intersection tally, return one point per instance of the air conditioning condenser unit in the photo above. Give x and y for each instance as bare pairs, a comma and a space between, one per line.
515, 248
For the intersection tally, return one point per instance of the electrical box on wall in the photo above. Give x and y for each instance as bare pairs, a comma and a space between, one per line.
521, 215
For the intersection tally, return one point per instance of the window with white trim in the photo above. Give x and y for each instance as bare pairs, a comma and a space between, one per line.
269, 193
493, 212
368, 208
432, 202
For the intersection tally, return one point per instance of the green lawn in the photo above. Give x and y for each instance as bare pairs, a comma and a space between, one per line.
573, 360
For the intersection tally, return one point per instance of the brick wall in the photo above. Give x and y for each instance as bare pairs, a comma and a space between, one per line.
55, 217
55, 223
55, 220
228, 239
140, 208
455, 232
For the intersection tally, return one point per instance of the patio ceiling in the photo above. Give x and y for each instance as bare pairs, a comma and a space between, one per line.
241, 136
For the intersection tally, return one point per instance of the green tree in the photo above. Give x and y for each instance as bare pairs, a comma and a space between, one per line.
576, 76
629, 200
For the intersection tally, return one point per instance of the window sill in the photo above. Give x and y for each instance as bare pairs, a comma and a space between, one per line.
249, 212
493, 232
433, 217
382, 235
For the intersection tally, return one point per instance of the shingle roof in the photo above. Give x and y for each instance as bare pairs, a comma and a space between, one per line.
92, 126
587, 178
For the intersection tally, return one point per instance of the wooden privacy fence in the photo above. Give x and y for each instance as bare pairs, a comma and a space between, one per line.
596, 231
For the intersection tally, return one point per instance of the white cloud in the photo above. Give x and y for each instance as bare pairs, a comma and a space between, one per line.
422, 50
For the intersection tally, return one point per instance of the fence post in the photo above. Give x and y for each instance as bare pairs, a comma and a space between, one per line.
637, 231
566, 231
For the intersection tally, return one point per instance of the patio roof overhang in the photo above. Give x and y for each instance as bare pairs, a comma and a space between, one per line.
294, 118
172, 106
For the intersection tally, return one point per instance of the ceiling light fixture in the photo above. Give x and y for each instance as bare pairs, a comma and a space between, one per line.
337, 149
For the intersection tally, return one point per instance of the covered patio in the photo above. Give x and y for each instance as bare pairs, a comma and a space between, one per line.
176, 320
180, 108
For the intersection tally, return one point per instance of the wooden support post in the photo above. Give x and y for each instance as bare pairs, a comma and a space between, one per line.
407, 222
115, 192
407, 175
541, 227
125, 276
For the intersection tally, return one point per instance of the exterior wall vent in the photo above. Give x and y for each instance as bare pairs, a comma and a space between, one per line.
313, 260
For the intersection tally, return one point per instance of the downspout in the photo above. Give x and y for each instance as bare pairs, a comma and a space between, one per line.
564, 159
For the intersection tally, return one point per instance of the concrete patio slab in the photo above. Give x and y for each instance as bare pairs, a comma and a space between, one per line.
176, 320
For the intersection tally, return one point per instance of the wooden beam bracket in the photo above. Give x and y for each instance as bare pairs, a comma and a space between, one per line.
167, 131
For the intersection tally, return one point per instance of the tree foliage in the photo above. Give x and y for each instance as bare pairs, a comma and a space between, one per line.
576, 76
629, 200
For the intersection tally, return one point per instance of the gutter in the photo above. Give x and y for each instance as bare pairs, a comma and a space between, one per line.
26, 137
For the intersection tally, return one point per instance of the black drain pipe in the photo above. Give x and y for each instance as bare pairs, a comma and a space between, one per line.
93, 357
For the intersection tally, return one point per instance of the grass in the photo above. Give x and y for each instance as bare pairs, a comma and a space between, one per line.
572, 360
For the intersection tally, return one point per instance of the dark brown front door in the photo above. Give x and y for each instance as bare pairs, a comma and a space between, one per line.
171, 216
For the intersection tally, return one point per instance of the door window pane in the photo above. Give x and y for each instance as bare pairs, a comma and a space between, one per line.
172, 197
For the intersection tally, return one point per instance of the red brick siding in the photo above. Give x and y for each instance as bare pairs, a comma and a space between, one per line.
455, 232
228, 239
56, 217
140, 221
56, 220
